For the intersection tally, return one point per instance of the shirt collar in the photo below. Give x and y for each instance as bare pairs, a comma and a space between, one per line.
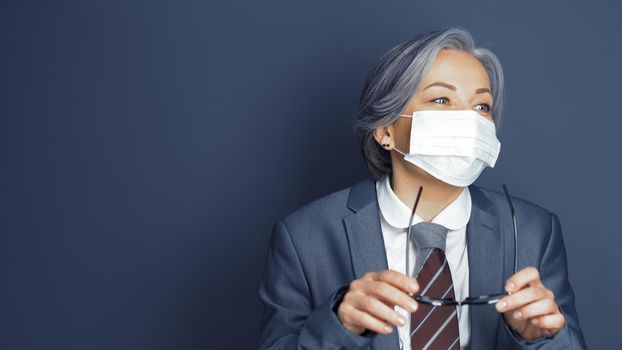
397, 214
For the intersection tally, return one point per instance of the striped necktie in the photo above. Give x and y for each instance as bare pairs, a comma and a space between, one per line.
433, 327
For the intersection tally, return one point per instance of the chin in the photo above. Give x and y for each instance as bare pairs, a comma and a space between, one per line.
418, 172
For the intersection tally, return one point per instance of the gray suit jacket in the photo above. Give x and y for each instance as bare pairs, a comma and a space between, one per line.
316, 251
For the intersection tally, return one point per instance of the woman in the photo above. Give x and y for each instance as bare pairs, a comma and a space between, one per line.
347, 270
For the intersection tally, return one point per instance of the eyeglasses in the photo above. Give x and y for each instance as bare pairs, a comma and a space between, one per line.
478, 300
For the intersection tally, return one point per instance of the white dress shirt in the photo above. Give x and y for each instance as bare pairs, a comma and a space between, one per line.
394, 221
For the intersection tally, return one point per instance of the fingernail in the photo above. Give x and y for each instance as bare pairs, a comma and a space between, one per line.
501, 305
535, 321
388, 329
412, 306
517, 315
509, 287
401, 320
412, 286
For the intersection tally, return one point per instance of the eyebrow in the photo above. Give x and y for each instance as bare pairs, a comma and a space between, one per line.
451, 87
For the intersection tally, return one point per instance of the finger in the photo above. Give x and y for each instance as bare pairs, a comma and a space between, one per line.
379, 310
538, 308
520, 298
399, 280
365, 320
391, 295
553, 322
527, 276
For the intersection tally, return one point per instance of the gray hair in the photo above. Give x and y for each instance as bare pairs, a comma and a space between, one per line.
396, 76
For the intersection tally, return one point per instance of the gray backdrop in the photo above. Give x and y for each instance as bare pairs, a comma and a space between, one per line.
147, 147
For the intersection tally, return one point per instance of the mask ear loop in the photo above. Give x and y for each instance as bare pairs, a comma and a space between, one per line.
395, 148
400, 152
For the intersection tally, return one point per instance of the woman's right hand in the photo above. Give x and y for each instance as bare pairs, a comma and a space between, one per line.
370, 301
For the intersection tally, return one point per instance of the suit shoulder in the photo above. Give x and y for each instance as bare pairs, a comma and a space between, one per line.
521, 205
535, 220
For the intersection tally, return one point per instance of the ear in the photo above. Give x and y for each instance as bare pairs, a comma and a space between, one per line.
384, 137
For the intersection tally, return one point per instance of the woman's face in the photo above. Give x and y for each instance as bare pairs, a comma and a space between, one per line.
456, 80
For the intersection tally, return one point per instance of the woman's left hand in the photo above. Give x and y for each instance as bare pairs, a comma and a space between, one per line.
530, 309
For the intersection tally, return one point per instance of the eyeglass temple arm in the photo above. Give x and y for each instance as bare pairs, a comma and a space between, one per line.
415, 206
507, 195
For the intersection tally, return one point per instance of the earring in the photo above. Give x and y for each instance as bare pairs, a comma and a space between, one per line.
385, 142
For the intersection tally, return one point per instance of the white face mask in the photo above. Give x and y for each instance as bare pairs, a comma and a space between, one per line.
454, 146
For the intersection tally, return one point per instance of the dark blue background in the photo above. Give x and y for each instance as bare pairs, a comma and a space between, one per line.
148, 146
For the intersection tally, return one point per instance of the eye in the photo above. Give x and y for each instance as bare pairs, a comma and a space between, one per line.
441, 100
484, 107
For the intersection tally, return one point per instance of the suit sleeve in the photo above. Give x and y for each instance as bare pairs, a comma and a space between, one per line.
290, 320
554, 275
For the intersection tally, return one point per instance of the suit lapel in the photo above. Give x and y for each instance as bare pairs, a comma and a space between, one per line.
485, 243
366, 243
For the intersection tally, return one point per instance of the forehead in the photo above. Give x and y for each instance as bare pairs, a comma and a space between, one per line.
453, 66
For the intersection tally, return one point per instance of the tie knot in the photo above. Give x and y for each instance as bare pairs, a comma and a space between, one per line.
429, 235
